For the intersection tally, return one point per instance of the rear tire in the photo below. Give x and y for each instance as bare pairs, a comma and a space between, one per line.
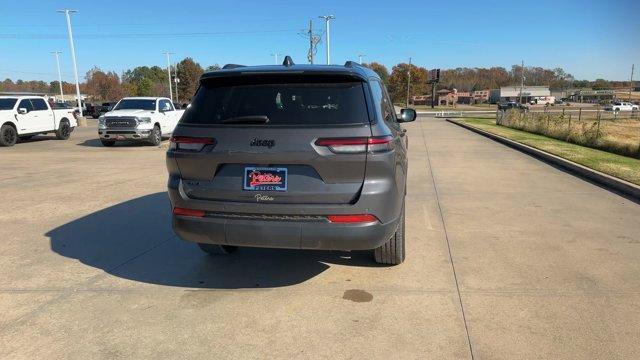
155, 138
107, 143
213, 249
8, 135
392, 252
64, 130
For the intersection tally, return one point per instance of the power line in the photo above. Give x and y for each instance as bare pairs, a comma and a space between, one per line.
136, 23
35, 73
140, 35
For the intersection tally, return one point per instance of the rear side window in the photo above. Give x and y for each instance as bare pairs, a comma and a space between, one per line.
7, 103
383, 105
39, 104
279, 100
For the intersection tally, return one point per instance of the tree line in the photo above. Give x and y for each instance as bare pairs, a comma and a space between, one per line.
473, 79
109, 86
153, 80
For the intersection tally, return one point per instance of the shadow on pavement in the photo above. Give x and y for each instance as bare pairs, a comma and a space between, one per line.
97, 143
134, 240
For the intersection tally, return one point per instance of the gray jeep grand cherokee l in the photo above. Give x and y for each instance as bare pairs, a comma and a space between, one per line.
291, 156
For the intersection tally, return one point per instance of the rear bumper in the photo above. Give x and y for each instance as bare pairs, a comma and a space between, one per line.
124, 134
283, 234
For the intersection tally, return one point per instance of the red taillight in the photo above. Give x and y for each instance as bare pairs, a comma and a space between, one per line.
360, 218
342, 141
188, 212
357, 145
189, 143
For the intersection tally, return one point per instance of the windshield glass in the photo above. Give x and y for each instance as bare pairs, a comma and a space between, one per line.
7, 104
136, 104
279, 100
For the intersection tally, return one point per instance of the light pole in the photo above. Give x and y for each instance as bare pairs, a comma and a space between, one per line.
360, 56
73, 56
169, 72
57, 53
276, 56
327, 18
176, 80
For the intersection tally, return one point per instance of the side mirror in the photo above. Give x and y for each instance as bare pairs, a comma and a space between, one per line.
22, 111
407, 115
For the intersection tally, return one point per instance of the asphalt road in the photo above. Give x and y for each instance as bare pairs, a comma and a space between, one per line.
508, 258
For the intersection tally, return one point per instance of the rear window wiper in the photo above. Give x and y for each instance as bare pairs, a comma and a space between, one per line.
252, 119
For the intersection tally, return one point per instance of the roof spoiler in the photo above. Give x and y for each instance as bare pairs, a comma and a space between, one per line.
232, 66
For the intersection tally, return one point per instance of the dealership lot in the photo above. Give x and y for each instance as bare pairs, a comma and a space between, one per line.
507, 258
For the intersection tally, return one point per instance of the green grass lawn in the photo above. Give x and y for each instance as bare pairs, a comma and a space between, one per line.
622, 167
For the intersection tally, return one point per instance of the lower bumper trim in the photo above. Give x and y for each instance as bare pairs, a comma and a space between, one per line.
283, 234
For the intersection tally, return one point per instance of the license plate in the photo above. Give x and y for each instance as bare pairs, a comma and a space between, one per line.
265, 179
120, 137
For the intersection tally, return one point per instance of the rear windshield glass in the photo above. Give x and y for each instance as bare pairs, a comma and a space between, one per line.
278, 100
7, 104
136, 104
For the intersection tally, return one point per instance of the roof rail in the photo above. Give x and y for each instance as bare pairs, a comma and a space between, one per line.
288, 61
232, 66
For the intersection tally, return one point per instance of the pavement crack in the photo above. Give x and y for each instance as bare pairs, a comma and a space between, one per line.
446, 236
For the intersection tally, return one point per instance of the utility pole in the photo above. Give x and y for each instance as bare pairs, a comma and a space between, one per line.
311, 44
57, 53
408, 81
521, 82
169, 71
631, 81
314, 40
73, 56
360, 56
328, 18
276, 56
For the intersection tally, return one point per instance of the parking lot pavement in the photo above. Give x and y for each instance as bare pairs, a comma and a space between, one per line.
507, 258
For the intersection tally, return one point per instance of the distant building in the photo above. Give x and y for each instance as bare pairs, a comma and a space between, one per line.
517, 93
480, 96
450, 97
591, 96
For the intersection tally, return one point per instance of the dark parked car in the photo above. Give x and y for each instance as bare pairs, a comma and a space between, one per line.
106, 107
512, 105
291, 156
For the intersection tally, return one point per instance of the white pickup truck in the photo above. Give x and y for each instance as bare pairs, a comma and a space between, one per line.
22, 117
138, 118
621, 106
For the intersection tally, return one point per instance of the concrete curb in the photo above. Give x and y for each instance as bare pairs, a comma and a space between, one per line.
608, 181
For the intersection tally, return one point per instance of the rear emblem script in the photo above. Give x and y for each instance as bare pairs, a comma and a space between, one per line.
260, 197
262, 142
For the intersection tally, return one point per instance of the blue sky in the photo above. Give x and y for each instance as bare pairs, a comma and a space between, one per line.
590, 39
